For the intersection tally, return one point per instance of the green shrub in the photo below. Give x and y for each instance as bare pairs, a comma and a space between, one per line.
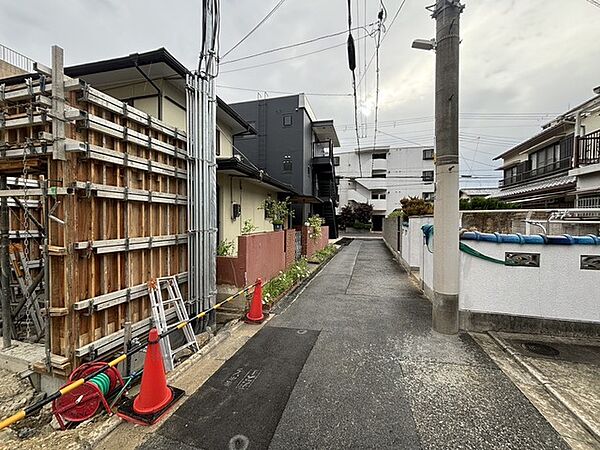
482, 203
248, 227
285, 280
323, 254
415, 206
225, 247
363, 213
361, 226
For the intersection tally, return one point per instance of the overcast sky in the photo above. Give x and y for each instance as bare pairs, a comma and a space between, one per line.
517, 57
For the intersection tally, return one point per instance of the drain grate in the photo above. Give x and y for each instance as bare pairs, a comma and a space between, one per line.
540, 349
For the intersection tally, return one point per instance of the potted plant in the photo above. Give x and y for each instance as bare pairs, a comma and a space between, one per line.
277, 212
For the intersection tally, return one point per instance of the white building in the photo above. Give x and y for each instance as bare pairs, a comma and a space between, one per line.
381, 176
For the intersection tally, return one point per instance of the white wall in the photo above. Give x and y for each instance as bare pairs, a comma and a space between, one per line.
558, 289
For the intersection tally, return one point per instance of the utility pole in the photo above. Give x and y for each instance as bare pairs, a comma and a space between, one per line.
446, 216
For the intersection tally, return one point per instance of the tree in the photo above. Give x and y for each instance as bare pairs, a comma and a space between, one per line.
415, 206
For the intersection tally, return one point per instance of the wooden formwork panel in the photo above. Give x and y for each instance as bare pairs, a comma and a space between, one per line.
125, 218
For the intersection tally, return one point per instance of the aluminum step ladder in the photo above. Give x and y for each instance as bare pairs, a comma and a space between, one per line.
161, 307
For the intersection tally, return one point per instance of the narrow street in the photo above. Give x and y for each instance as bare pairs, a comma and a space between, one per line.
351, 362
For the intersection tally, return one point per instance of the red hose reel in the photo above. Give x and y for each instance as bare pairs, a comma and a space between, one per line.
83, 402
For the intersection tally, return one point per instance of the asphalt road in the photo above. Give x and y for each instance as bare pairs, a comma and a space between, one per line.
352, 362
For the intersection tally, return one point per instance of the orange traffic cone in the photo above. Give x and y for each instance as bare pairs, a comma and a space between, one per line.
155, 397
154, 393
256, 315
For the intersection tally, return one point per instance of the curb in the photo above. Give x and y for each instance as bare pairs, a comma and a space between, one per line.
546, 384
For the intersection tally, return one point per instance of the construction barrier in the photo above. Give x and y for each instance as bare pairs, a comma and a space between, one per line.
80, 381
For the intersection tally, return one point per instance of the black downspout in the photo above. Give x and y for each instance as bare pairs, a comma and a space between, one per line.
158, 90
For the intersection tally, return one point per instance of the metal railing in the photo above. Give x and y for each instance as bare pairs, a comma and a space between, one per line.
555, 167
16, 59
589, 149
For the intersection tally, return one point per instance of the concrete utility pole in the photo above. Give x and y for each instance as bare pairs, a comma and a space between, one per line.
446, 216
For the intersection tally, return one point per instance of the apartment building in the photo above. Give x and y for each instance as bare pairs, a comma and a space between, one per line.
296, 148
382, 176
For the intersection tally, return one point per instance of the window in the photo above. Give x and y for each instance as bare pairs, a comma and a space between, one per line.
427, 154
379, 155
287, 163
428, 196
287, 120
378, 195
545, 160
427, 175
218, 142
379, 175
510, 175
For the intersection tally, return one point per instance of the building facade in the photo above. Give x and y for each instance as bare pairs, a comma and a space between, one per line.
295, 148
382, 176
558, 167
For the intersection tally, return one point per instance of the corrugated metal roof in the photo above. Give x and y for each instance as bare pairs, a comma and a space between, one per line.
534, 187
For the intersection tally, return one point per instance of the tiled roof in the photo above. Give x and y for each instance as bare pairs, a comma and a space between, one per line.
535, 187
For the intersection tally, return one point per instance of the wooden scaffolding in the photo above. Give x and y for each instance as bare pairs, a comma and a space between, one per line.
104, 192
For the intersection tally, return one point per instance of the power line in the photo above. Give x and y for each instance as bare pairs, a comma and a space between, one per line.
381, 17
352, 66
383, 39
298, 44
270, 13
594, 2
324, 94
291, 57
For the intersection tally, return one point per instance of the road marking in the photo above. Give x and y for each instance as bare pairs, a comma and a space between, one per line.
248, 379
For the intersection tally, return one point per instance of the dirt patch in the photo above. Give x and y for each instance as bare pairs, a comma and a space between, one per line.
37, 431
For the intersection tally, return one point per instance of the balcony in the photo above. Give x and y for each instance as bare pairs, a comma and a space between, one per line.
539, 172
589, 149
379, 165
323, 158
379, 205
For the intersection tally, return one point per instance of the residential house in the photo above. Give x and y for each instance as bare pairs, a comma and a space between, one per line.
382, 176
468, 193
295, 148
560, 166
242, 188
155, 83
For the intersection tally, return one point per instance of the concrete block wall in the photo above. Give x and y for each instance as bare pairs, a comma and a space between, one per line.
558, 295
311, 246
290, 247
259, 255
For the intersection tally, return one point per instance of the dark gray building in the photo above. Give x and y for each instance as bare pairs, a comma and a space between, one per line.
293, 147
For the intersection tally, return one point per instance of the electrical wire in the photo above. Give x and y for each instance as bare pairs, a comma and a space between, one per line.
263, 20
352, 64
380, 28
323, 94
298, 44
291, 57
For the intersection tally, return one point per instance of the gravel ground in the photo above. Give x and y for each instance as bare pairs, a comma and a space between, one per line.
37, 431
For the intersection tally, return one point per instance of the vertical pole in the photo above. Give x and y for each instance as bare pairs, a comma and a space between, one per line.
4, 261
446, 214
58, 104
576, 138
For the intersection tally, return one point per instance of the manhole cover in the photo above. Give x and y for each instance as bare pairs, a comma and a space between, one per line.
540, 349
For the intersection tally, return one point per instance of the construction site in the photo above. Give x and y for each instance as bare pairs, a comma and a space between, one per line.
182, 271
